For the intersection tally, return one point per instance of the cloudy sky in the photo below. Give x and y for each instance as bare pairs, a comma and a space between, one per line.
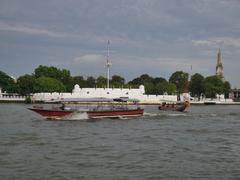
157, 37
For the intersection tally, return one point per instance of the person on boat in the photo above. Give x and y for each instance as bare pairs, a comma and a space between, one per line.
62, 107
187, 104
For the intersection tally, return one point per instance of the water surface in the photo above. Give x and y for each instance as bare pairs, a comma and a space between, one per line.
203, 143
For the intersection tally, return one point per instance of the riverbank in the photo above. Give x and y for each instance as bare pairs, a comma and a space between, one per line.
193, 103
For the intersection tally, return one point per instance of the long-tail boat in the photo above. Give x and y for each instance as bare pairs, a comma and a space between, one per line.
106, 108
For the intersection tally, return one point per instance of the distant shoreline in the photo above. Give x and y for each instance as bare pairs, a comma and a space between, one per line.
192, 103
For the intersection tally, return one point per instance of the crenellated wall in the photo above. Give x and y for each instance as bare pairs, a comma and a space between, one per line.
106, 93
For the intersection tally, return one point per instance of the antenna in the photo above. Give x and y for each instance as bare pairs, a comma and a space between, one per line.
191, 73
108, 65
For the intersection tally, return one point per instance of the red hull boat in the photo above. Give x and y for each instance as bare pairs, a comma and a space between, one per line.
67, 114
112, 110
51, 113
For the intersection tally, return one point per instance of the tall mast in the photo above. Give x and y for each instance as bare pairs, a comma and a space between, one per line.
108, 65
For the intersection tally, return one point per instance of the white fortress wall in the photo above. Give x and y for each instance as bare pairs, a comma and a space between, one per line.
106, 93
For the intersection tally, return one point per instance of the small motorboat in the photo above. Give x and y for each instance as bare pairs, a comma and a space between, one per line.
111, 110
174, 107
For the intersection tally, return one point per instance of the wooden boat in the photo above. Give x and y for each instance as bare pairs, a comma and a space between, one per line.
174, 107
100, 111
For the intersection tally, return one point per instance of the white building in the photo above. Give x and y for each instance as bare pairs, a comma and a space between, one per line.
78, 92
11, 97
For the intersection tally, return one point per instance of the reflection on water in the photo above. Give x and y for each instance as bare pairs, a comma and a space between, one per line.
201, 143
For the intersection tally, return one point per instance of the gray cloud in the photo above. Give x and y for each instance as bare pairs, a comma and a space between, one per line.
156, 37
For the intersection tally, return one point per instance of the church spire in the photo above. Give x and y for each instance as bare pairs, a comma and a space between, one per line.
219, 67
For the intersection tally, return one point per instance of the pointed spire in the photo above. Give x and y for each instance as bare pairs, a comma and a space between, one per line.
219, 58
219, 67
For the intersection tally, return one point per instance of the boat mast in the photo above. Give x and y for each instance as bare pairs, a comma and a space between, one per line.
108, 65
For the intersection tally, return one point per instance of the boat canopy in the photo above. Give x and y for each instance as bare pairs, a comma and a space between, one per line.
65, 100
125, 100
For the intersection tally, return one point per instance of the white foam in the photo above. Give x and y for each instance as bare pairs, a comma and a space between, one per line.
78, 116
150, 114
177, 114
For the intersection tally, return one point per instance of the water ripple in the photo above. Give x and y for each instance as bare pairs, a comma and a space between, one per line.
201, 143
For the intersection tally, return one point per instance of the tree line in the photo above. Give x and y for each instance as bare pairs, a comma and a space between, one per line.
52, 79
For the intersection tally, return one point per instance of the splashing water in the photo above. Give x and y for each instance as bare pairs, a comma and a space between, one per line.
78, 116
177, 114
150, 114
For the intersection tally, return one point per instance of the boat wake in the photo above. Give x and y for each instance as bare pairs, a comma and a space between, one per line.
123, 118
77, 116
177, 114
165, 115
151, 114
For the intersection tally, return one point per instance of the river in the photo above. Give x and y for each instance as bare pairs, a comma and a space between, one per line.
202, 143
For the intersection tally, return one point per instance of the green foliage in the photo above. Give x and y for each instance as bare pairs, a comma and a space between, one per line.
171, 88
80, 81
153, 85
47, 84
6, 82
227, 88
165, 87
149, 87
52, 79
159, 80
12, 88
179, 78
28, 100
145, 80
63, 75
196, 86
117, 81
142, 80
91, 82
213, 85
101, 82
45, 71
26, 84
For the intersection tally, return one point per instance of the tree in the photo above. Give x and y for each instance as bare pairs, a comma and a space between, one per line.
47, 84
145, 80
159, 80
91, 82
196, 86
152, 85
213, 85
62, 75
66, 78
142, 80
117, 81
101, 82
6, 82
26, 84
179, 78
149, 87
227, 88
80, 81
171, 88
45, 71
165, 87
